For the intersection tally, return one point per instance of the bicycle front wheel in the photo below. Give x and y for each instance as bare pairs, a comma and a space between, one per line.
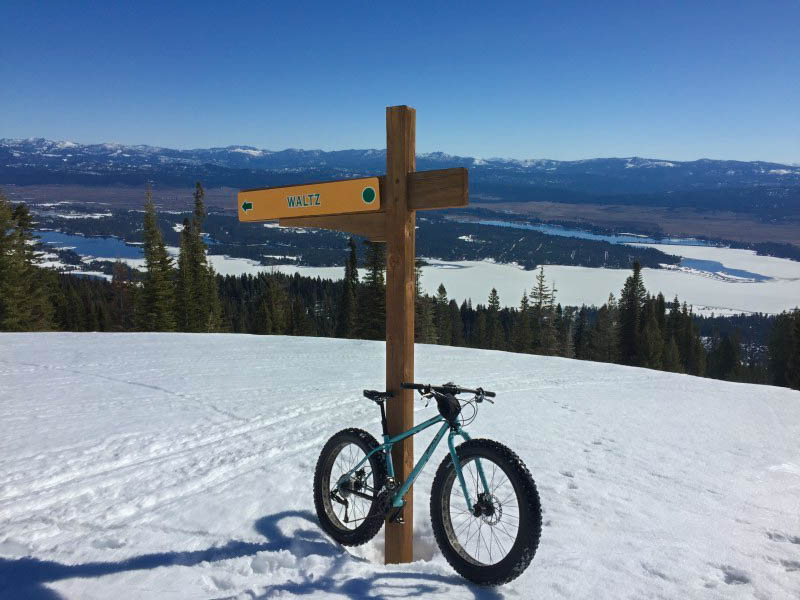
495, 541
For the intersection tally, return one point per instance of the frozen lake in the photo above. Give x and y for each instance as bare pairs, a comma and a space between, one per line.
712, 279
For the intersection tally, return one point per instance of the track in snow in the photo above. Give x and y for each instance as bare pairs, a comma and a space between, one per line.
179, 466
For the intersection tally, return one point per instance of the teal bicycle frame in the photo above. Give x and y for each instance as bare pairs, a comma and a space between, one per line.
389, 441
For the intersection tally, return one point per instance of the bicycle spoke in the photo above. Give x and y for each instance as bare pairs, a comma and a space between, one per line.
362, 481
490, 536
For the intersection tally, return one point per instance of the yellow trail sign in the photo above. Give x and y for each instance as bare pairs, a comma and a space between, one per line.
313, 199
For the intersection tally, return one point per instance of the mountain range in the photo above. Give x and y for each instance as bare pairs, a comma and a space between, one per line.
705, 183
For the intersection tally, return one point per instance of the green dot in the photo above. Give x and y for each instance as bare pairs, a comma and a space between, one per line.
368, 195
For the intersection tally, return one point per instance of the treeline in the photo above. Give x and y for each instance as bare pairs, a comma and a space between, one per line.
437, 237
637, 329
170, 295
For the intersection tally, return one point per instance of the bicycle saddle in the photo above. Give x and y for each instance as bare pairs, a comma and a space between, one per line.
377, 396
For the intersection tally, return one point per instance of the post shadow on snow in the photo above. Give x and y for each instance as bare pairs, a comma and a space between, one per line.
24, 578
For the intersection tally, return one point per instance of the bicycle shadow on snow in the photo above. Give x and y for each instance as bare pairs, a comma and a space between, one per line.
26, 578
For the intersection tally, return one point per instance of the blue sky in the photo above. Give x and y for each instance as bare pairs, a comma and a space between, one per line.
558, 80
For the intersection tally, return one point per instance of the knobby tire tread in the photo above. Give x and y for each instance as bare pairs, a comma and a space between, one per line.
523, 552
374, 521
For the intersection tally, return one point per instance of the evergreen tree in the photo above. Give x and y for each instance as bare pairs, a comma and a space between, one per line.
581, 340
543, 299
793, 365
25, 289
603, 336
693, 354
301, 323
522, 327
11, 272
444, 325
672, 359
784, 350
724, 359
424, 326
493, 329
480, 335
197, 297
651, 344
565, 325
186, 298
158, 296
122, 290
372, 299
346, 322
456, 325
661, 310
631, 305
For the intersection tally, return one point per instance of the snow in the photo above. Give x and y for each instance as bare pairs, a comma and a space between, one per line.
585, 285
129, 472
250, 151
79, 215
718, 293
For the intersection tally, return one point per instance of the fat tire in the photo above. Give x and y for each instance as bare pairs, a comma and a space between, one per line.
372, 524
530, 526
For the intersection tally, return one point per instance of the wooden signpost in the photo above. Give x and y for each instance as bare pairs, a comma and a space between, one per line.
389, 216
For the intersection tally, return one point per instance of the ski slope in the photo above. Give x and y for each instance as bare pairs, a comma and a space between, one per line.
180, 466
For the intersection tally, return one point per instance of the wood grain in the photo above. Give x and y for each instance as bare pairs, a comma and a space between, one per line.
400, 297
445, 188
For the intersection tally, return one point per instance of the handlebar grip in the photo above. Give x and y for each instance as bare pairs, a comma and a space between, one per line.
412, 386
489, 394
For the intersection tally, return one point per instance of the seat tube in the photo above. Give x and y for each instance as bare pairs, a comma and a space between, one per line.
388, 453
388, 457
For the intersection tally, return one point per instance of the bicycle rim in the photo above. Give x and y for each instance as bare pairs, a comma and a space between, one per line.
344, 458
487, 539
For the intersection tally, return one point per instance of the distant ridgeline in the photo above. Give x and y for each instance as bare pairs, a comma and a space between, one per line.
766, 190
437, 237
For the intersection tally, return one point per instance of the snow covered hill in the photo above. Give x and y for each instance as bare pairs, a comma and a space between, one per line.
180, 466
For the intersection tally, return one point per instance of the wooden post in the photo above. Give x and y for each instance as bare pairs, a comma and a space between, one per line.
392, 220
400, 297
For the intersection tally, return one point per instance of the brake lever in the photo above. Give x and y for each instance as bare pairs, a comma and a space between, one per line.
480, 397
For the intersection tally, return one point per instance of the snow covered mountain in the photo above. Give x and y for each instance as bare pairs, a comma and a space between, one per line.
180, 466
37, 160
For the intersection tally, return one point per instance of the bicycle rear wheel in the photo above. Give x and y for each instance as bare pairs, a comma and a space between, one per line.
496, 541
349, 510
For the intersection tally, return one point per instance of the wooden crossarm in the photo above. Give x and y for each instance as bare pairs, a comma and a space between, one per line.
444, 188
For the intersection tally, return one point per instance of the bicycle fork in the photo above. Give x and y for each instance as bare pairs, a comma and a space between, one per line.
457, 467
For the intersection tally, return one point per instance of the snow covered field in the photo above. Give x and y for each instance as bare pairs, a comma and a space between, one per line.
773, 287
180, 466
584, 285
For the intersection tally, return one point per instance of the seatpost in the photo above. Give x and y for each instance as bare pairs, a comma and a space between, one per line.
384, 424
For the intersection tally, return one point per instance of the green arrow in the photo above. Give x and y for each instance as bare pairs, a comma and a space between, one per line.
247, 206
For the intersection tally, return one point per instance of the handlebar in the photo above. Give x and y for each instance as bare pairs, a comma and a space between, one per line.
446, 389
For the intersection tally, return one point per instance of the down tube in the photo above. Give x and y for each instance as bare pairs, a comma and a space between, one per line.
397, 501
